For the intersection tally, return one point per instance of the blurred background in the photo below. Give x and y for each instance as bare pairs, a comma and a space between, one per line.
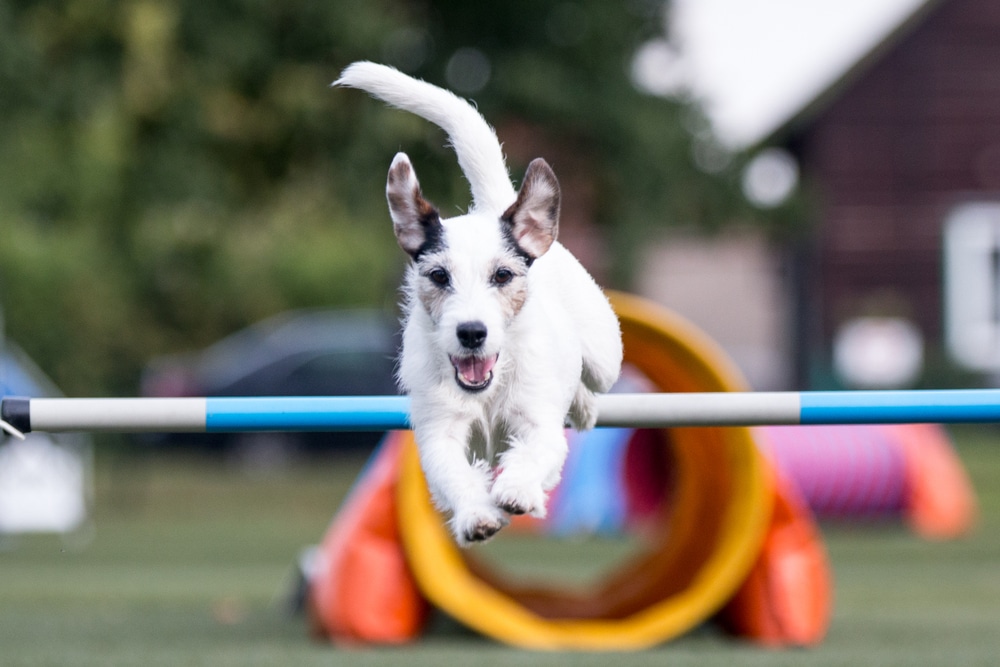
176, 171
787, 177
187, 208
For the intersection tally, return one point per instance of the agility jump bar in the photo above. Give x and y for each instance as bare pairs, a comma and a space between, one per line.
378, 413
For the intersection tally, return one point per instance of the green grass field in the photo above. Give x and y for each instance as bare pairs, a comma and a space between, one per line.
190, 563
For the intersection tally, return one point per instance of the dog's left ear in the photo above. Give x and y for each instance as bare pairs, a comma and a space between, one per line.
415, 220
534, 217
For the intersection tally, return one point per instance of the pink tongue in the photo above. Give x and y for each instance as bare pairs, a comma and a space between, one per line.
473, 369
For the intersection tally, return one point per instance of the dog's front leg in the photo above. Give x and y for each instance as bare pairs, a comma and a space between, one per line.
458, 486
530, 468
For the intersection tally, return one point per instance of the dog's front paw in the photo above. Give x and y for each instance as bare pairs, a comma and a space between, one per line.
516, 497
477, 525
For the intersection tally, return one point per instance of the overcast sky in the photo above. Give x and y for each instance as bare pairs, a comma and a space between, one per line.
757, 62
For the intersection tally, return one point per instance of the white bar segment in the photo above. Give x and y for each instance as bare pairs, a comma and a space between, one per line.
698, 409
118, 414
627, 410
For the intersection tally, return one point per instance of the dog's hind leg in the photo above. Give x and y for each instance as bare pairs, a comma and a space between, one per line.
583, 410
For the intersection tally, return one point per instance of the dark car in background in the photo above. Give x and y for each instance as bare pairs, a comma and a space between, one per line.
298, 353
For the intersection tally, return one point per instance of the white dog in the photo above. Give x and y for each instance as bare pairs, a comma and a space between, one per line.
505, 334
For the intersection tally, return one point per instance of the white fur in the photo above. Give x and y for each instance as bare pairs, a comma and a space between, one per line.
499, 449
473, 139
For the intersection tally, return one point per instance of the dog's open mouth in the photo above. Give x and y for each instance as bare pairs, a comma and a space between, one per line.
474, 373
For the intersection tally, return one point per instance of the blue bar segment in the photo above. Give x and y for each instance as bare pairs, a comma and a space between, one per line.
309, 413
897, 407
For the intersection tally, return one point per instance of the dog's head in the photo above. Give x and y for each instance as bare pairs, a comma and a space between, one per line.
470, 272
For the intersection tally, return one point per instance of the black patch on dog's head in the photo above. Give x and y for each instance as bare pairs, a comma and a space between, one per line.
508, 236
434, 241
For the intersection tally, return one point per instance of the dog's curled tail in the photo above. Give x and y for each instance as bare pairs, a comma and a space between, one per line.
475, 143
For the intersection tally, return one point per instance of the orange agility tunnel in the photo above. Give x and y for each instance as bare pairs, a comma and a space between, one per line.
733, 543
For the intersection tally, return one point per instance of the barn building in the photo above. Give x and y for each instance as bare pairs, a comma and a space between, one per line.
900, 158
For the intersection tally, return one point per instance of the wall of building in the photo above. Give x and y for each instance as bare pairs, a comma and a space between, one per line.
731, 286
915, 133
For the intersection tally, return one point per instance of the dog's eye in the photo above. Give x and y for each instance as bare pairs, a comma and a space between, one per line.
439, 277
502, 276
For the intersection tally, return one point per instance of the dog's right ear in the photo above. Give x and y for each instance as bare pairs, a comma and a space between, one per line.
533, 220
415, 220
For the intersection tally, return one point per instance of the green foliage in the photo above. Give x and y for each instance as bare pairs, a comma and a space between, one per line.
176, 169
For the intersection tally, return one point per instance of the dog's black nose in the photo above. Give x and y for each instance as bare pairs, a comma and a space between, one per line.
471, 334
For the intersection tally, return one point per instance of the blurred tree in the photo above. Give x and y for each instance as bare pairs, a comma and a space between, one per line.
555, 78
175, 169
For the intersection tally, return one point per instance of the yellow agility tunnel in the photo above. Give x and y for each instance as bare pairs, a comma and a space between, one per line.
734, 545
